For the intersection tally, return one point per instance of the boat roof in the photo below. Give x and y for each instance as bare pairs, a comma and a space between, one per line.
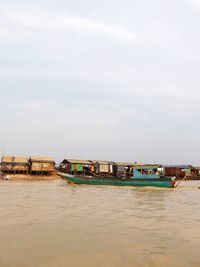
147, 166
77, 161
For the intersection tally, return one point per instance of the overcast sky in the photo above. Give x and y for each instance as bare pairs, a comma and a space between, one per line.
104, 79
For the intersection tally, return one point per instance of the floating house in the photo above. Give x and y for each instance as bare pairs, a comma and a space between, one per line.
104, 167
41, 165
76, 166
181, 171
93, 166
13, 164
192, 173
198, 171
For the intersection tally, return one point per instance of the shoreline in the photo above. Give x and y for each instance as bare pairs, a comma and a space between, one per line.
28, 177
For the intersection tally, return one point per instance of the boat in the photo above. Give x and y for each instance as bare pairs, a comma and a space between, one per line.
141, 176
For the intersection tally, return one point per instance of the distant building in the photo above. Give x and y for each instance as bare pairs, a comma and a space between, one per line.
13, 164
181, 171
41, 165
198, 170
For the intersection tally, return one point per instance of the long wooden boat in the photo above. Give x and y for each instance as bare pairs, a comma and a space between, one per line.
137, 180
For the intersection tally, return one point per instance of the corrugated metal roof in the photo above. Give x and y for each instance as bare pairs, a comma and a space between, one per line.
178, 166
42, 159
94, 161
13, 159
78, 161
125, 163
102, 162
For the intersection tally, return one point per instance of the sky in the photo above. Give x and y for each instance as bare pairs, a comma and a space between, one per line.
110, 80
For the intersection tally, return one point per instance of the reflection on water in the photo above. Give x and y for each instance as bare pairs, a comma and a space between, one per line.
51, 223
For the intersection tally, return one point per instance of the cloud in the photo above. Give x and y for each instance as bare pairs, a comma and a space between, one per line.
38, 19
77, 80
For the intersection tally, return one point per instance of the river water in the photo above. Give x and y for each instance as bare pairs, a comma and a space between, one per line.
51, 223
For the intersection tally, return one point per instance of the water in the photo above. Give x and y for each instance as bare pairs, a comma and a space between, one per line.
51, 223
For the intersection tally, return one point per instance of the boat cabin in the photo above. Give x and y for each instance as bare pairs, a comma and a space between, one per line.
147, 171
123, 169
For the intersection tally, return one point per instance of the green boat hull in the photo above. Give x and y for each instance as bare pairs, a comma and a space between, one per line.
155, 182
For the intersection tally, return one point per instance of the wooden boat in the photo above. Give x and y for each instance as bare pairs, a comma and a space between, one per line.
142, 176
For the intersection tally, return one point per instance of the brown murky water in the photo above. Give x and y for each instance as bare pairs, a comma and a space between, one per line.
51, 223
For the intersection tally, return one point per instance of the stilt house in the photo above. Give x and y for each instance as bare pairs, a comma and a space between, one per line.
42, 165
12, 164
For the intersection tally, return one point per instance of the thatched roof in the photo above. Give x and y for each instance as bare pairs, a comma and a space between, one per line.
14, 160
42, 159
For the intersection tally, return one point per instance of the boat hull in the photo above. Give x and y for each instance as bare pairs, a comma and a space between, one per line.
157, 182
